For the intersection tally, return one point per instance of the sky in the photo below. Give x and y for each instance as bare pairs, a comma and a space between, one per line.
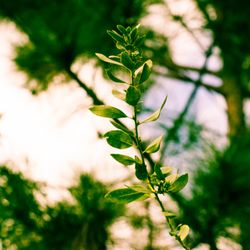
52, 136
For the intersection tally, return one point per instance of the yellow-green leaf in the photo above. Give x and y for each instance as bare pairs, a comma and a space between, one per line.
156, 114
113, 77
118, 139
117, 37
171, 178
126, 195
106, 59
119, 94
169, 214
121, 127
183, 233
154, 146
166, 170
141, 188
123, 159
146, 71
179, 184
107, 111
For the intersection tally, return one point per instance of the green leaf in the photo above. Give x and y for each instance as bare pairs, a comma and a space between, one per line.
146, 71
126, 195
171, 178
183, 233
138, 160
123, 159
166, 170
141, 171
121, 29
139, 40
134, 33
113, 78
169, 214
139, 70
133, 95
119, 94
121, 127
156, 114
116, 58
127, 61
119, 46
128, 29
117, 37
154, 146
119, 139
107, 111
179, 184
107, 60
141, 188
159, 174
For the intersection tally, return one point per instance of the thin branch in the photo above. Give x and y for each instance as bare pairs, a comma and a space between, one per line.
179, 120
140, 149
88, 90
178, 67
185, 26
185, 78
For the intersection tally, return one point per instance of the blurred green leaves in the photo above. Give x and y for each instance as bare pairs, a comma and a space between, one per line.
54, 44
25, 223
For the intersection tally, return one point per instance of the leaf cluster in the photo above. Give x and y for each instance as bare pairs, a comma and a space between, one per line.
159, 180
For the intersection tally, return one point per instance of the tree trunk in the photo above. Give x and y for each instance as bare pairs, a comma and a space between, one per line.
235, 108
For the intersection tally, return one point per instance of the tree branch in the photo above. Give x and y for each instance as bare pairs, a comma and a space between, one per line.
185, 78
184, 25
179, 120
88, 90
178, 67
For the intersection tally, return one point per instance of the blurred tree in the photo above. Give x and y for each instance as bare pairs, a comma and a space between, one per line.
85, 223
21, 214
221, 194
59, 33
81, 224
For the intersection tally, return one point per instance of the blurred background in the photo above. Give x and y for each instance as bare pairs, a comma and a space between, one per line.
55, 166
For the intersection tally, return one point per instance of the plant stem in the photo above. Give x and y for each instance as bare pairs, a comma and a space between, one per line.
139, 146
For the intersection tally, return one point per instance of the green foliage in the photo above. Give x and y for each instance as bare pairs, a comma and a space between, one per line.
130, 57
221, 192
26, 224
63, 31
20, 212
